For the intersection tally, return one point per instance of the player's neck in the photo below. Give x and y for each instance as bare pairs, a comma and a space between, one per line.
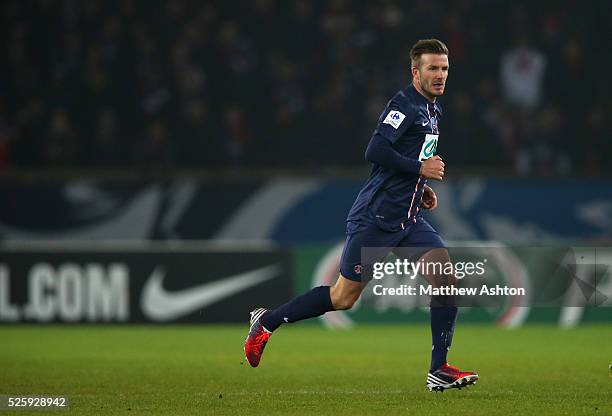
430, 98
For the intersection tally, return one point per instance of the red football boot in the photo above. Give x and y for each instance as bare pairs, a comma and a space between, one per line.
257, 339
448, 377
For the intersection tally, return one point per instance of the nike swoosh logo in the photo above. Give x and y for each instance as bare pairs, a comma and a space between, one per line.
160, 305
424, 123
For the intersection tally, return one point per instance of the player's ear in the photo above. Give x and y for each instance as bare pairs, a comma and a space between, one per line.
415, 71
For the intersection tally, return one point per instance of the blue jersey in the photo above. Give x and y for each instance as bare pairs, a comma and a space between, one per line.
391, 198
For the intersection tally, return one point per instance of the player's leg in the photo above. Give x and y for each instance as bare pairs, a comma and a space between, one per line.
342, 295
443, 311
443, 316
315, 302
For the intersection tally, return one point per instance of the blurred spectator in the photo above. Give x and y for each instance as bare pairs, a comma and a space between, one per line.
60, 149
522, 75
157, 151
236, 134
542, 152
107, 148
196, 142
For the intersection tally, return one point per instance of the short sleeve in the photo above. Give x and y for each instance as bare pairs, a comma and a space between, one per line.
394, 121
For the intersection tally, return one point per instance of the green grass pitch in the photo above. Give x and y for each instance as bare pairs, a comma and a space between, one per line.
180, 370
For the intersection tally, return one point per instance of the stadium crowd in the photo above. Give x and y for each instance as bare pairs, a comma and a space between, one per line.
300, 83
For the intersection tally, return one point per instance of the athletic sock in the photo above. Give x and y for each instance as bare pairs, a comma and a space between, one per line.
443, 320
313, 303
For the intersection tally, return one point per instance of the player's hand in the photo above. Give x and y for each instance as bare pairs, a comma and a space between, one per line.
433, 168
429, 200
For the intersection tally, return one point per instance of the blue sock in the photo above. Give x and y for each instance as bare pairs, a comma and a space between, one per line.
443, 320
313, 303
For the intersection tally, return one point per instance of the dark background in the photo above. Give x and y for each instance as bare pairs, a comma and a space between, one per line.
297, 85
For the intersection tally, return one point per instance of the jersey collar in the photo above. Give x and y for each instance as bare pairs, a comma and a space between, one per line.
411, 91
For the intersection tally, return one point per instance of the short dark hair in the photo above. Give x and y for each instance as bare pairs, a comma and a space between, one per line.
422, 46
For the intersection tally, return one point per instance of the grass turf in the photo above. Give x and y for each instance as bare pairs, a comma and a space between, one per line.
379, 369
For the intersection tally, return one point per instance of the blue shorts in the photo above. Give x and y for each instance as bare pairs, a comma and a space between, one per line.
419, 235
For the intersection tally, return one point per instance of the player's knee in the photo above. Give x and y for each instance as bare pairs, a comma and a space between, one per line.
344, 297
450, 280
345, 301
439, 256
443, 281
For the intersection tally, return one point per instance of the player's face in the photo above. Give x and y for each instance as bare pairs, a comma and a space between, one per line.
431, 74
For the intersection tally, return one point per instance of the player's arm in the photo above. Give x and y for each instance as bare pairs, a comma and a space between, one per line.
381, 152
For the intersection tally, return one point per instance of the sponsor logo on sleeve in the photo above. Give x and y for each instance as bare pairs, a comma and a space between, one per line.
394, 118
